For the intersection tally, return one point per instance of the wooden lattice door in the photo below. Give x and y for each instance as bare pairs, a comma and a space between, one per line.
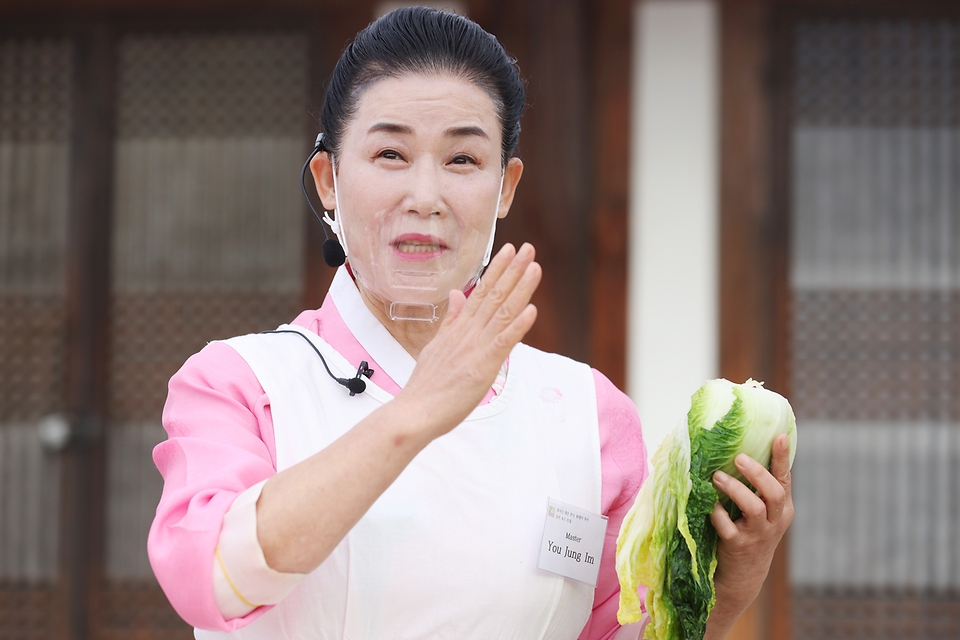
198, 234
874, 141
35, 82
208, 242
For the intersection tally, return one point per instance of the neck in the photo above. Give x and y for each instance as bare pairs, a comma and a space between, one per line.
412, 335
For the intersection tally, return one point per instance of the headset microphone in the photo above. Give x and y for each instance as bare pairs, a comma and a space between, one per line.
333, 253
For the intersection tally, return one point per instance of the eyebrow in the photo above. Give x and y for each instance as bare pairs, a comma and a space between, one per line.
460, 132
390, 127
453, 132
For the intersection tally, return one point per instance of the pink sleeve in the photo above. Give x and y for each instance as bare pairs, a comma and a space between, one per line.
220, 442
623, 467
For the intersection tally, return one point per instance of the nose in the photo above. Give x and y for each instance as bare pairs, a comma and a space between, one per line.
426, 190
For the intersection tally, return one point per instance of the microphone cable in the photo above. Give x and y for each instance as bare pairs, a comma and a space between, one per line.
355, 384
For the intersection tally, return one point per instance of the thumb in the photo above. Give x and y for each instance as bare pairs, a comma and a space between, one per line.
457, 302
780, 462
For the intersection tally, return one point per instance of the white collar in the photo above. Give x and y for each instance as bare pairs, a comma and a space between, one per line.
369, 332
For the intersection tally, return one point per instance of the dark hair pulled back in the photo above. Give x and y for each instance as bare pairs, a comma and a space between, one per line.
418, 40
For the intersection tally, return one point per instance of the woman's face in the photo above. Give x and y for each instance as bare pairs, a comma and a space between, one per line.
418, 186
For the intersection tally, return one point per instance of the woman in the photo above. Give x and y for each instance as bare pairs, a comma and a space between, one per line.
414, 509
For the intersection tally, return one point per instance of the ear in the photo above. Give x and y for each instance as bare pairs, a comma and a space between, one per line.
322, 169
511, 178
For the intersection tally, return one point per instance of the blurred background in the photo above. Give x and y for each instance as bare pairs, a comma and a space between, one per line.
745, 188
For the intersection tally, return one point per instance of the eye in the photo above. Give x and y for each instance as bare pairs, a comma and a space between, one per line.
463, 159
390, 154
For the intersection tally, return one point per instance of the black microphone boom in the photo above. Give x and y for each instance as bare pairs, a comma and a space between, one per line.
333, 253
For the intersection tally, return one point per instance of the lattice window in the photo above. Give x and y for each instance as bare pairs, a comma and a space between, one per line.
34, 132
34, 98
877, 73
876, 324
208, 243
864, 355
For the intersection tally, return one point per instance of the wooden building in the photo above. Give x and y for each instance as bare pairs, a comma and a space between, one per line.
149, 153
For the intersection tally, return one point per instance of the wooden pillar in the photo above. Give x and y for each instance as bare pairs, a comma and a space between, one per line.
753, 251
552, 206
88, 302
609, 153
560, 172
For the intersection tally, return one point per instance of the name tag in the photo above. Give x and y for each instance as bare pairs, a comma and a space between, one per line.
572, 542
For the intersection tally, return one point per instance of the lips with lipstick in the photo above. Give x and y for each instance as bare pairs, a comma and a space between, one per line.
418, 247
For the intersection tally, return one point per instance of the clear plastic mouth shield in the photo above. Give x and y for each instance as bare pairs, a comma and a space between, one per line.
410, 262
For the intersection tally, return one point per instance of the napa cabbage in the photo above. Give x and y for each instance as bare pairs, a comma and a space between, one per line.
667, 542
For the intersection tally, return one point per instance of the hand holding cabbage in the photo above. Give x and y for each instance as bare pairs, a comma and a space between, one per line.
668, 541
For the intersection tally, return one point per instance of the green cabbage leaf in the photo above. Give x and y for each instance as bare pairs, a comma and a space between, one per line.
667, 542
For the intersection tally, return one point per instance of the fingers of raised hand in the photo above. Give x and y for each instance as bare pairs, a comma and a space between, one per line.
513, 333
495, 269
509, 293
518, 297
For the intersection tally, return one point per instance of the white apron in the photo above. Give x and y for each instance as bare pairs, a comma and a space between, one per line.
450, 549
